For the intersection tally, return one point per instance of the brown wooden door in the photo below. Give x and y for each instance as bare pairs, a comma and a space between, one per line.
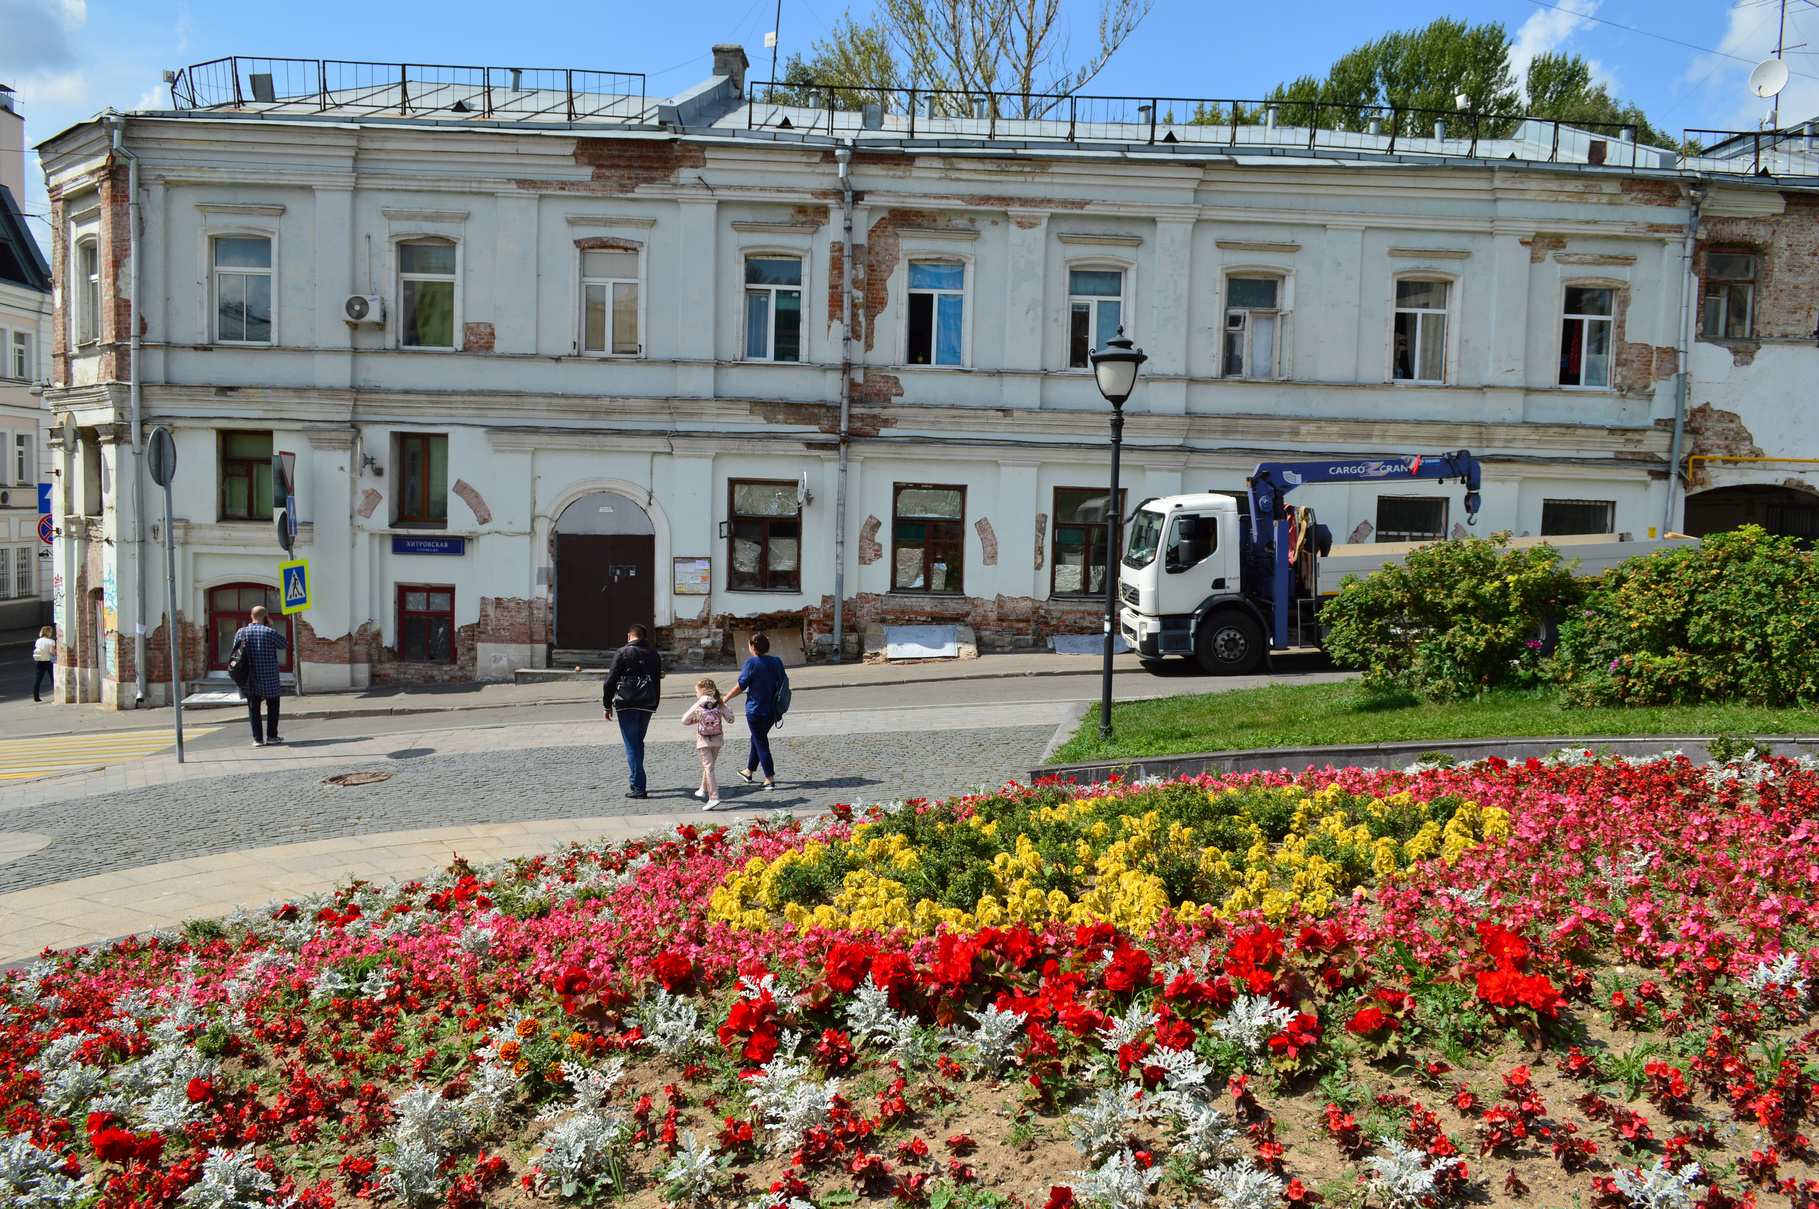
605, 584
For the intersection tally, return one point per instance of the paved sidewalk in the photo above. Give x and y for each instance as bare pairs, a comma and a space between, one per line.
91, 910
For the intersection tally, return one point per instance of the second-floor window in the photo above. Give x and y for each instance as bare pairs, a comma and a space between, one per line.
243, 289
609, 303
1420, 332
423, 479
88, 292
1730, 296
1095, 311
765, 531
936, 308
23, 474
426, 294
19, 357
1585, 337
928, 531
1410, 518
773, 308
246, 476
1251, 306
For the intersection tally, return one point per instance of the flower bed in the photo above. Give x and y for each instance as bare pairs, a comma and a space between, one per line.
1565, 982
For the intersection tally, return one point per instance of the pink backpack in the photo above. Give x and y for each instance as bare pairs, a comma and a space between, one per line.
709, 725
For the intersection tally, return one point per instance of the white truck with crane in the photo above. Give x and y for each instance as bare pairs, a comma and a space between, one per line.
1224, 585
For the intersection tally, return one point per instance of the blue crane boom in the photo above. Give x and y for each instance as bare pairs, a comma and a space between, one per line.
1273, 480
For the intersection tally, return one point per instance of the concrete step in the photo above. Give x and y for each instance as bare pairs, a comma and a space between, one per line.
580, 658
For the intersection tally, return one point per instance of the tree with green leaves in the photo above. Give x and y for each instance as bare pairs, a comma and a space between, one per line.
1016, 49
1432, 67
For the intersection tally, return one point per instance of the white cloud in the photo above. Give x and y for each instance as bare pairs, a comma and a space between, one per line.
1547, 30
1751, 36
39, 34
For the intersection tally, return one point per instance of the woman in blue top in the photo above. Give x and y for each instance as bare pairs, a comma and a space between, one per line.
758, 680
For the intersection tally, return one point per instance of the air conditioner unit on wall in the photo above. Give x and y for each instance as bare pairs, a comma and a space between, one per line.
364, 308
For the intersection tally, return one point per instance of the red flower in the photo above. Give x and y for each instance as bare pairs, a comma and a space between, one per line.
1060, 1196
573, 980
895, 973
1303, 1032
1504, 947
846, 964
1508, 989
673, 970
1372, 1020
1129, 970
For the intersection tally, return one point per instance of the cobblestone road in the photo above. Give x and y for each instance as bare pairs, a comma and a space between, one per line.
122, 830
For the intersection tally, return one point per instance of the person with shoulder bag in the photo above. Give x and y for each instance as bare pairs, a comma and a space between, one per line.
44, 654
631, 692
766, 688
254, 667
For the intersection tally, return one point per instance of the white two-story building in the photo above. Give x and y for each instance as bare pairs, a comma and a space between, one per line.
552, 357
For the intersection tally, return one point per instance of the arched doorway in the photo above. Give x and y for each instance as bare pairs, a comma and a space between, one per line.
229, 608
606, 571
1786, 511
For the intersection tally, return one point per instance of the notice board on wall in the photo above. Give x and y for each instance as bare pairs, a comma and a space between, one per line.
694, 576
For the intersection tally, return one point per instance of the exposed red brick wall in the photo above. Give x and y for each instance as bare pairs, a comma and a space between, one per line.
595, 243
477, 337
879, 388
882, 248
1714, 433
825, 417
988, 540
1541, 245
1653, 193
466, 491
1639, 366
369, 502
1787, 268
869, 549
621, 165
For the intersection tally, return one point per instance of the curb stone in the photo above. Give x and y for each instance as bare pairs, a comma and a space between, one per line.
1379, 755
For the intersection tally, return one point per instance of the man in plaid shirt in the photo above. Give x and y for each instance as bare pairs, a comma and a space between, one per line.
262, 646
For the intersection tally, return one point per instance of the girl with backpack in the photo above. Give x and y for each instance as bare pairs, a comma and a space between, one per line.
709, 717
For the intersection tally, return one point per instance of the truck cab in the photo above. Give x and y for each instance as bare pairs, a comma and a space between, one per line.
1181, 584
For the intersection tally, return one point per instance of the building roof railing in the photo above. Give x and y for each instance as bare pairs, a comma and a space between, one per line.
1283, 128
297, 86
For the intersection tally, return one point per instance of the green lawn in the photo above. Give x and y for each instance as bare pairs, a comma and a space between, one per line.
1306, 715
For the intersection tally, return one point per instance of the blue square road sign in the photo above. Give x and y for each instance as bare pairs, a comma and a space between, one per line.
293, 577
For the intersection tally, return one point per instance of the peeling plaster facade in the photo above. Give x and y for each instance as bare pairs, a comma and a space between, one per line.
534, 426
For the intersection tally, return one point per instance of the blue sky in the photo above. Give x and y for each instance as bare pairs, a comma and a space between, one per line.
69, 59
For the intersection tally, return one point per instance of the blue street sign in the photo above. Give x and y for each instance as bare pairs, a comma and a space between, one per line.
44, 499
428, 545
294, 576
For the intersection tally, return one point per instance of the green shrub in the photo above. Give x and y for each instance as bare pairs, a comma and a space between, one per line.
1735, 618
1457, 618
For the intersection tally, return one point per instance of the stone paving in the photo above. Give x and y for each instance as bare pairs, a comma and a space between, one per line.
95, 829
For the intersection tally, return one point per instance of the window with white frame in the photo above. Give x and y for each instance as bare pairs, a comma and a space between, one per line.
243, 289
19, 362
609, 302
426, 293
937, 308
1095, 312
23, 474
88, 291
1420, 331
773, 308
25, 563
6, 572
1585, 337
1252, 325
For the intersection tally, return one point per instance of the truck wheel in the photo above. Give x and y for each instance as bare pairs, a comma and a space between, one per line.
1229, 644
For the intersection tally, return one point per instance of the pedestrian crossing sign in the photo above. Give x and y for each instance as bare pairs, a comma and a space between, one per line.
295, 578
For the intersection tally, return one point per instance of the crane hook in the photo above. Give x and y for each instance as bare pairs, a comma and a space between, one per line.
1472, 519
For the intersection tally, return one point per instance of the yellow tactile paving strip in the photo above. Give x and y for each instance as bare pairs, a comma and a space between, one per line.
38, 757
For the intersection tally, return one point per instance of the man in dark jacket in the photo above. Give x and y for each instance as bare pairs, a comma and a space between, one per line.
631, 692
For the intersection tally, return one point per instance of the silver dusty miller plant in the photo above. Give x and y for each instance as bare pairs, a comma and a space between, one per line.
230, 1181
1404, 1177
788, 1101
1102, 1125
691, 1175
1242, 1186
1659, 1187
33, 1179
1251, 1021
870, 1013
670, 1024
1121, 1182
993, 1044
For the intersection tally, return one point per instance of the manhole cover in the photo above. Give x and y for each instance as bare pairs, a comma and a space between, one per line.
358, 778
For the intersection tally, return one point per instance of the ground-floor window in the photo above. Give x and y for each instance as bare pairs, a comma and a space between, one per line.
1561, 518
928, 534
765, 532
1410, 518
25, 565
230, 607
1079, 557
426, 624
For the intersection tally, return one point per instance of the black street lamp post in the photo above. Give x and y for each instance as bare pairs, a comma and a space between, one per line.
1115, 369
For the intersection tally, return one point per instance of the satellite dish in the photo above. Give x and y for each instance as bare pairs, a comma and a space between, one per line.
1769, 78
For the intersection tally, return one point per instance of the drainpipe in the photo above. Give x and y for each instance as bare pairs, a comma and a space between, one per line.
1681, 383
117, 123
844, 157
